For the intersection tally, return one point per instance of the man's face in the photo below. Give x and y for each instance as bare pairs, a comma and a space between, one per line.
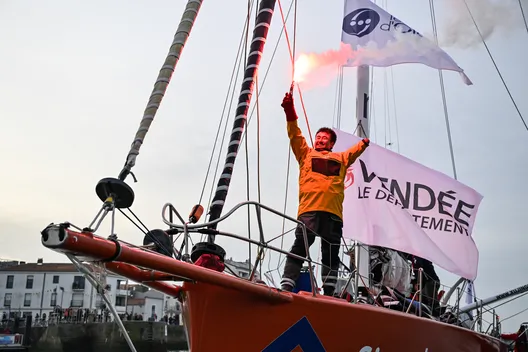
323, 141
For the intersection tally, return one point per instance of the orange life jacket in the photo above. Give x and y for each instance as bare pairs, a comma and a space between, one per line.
321, 173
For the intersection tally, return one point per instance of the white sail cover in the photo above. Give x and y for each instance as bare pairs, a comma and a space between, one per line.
397, 273
380, 39
394, 202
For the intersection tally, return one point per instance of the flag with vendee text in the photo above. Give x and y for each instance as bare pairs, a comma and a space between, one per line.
394, 202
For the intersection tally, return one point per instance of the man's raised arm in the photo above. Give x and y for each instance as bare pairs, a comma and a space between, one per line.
297, 141
352, 153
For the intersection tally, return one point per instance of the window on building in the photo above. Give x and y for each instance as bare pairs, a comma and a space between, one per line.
243, 274
7, 299
10, 281
98, 301
120, 301
78, 283
77, 300
27, 299
55, 279
53, 302
29, 281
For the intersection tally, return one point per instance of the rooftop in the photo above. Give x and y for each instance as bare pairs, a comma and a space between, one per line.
241, 265
41, 267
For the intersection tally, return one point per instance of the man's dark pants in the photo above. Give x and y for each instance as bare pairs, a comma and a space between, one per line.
330, 228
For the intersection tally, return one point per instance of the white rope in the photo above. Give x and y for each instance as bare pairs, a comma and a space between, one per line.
162, 82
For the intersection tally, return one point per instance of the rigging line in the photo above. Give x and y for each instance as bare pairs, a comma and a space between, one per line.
292, 55
286, 34
257, 106
523, 15
259, 37
248, 191
285, 202
236, 68
224, 134
395, 110
294, 45
145, 231
225, 104
260, 90
305, 115
132, 221
490, 309
258, 140
388, 107
386, 118
294, 35
281, 235
334, 114
514, 315
341, 82
293, 64
442, 90
137, 218
269, 67
508, 301
337, 103
371, 104
496, 67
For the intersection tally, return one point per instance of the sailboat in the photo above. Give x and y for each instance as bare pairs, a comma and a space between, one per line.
280, 321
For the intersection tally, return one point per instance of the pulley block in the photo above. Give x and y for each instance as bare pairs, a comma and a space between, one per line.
161, 240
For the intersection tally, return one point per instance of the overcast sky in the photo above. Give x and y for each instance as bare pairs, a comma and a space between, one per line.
75, 78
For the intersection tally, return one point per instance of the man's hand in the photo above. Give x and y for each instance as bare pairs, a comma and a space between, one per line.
366, 141
287, 102
289, 109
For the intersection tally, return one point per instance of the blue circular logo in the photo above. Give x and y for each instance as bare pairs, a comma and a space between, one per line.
360, 22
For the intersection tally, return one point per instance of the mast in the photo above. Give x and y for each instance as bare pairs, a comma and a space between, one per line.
260, 33
362, 256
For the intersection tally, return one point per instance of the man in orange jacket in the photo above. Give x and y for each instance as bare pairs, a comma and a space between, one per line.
321, 193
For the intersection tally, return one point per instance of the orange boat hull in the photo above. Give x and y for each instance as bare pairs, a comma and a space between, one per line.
225, 313
217, 319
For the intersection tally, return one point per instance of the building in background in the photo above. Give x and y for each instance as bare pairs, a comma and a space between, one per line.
6, 263
40, 288
240, 269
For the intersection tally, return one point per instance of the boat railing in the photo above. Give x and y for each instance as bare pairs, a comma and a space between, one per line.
484, 319
169, 213
209, 228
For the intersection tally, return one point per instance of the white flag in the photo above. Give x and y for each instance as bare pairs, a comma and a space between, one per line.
394, 202
380, 39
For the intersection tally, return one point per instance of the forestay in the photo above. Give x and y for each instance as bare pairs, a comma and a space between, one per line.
394, 202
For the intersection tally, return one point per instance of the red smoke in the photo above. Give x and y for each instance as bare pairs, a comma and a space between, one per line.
319, 69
